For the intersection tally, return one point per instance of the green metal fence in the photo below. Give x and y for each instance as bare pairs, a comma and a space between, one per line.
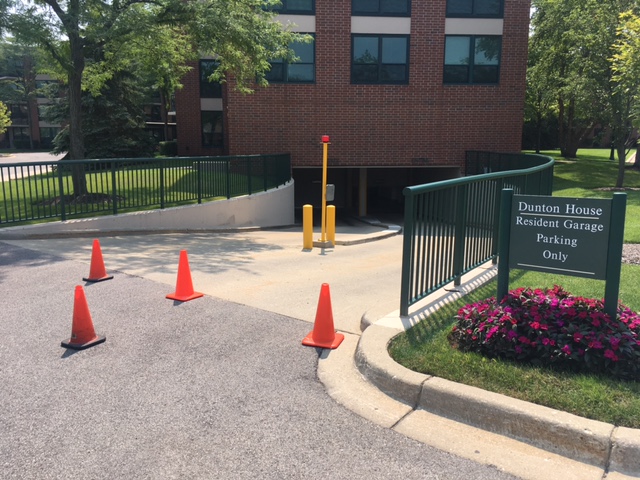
45, 190
451, 227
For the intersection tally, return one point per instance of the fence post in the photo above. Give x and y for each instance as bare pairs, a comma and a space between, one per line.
248, 173
199, 168
407, 251
228, 167
114, 191
161, 184
63, 213
503, 243
496, 222
265, 173
460, 233
614, 254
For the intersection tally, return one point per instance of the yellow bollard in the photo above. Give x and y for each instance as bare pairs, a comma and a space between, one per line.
307, 227
331, 224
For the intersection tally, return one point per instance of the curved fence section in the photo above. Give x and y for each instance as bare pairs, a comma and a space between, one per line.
451, 227
80, 188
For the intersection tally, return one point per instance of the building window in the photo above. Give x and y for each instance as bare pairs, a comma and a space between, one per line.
387, 8
301, 71
21, 137
19, 113
380, 59
211, 129
475, 8
296, 6
209, 89
472, 59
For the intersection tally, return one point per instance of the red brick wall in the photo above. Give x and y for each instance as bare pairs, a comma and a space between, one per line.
422, 123
188, 127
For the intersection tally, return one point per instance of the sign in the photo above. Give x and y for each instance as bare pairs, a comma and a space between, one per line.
567, 236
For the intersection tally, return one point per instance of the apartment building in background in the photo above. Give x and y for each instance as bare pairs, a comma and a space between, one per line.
29, 129
403, 88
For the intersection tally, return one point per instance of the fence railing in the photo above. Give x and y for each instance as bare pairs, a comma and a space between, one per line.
80, 188
451, 227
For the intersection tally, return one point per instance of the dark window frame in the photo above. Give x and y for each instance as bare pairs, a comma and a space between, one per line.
473, 14
471, 66
208, 89
211, 143
18, 113
284, 9
379, 64
284, 78
380, 12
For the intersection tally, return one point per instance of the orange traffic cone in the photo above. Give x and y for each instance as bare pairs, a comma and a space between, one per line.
82, 333
184, 286
97, 272
323, 334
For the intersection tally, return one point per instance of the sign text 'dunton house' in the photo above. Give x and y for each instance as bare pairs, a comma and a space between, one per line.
560, 235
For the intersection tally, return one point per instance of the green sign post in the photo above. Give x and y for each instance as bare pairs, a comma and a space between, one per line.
565, 236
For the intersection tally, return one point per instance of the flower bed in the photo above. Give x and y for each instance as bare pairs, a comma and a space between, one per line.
552, 328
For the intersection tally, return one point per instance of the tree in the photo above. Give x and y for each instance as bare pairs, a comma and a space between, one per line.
570, 64
90, 40
18, 76
573, 42
626, 69
112, 122
5, 121
539, 106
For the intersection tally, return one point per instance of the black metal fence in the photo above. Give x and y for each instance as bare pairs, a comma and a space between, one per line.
451, 227
80, 188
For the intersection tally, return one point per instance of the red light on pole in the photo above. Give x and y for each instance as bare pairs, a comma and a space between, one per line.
325, 138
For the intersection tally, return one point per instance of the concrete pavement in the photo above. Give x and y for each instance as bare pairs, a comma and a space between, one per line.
269, 271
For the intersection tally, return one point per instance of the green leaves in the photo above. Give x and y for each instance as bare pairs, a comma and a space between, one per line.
94, 41
5, 121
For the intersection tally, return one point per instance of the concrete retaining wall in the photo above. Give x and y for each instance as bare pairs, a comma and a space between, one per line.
266, 209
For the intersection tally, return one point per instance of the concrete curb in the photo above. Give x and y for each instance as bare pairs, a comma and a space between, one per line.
596, 443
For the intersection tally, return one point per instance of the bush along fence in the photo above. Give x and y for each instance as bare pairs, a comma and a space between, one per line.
81, 188
451, 227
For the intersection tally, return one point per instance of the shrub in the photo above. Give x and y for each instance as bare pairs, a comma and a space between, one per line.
168, 148
552, 328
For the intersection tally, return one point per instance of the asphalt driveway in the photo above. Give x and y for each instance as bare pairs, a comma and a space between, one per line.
203, 389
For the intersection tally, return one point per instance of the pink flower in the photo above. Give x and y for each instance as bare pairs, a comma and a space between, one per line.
615, 343
566, 349
577, 337
491, 332
596, 344
610, 355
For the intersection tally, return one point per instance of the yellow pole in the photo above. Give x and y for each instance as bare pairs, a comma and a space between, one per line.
325, 148
307, 227
331, 224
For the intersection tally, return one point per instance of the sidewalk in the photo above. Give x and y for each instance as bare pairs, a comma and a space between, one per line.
269, 270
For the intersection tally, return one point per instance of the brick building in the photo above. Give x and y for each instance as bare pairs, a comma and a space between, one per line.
402, 87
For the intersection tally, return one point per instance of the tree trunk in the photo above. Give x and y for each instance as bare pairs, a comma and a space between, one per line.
76, 137
538, 132
561, 130
622, 153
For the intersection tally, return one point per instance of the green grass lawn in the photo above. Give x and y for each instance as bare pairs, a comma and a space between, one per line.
593, 175
425, 347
